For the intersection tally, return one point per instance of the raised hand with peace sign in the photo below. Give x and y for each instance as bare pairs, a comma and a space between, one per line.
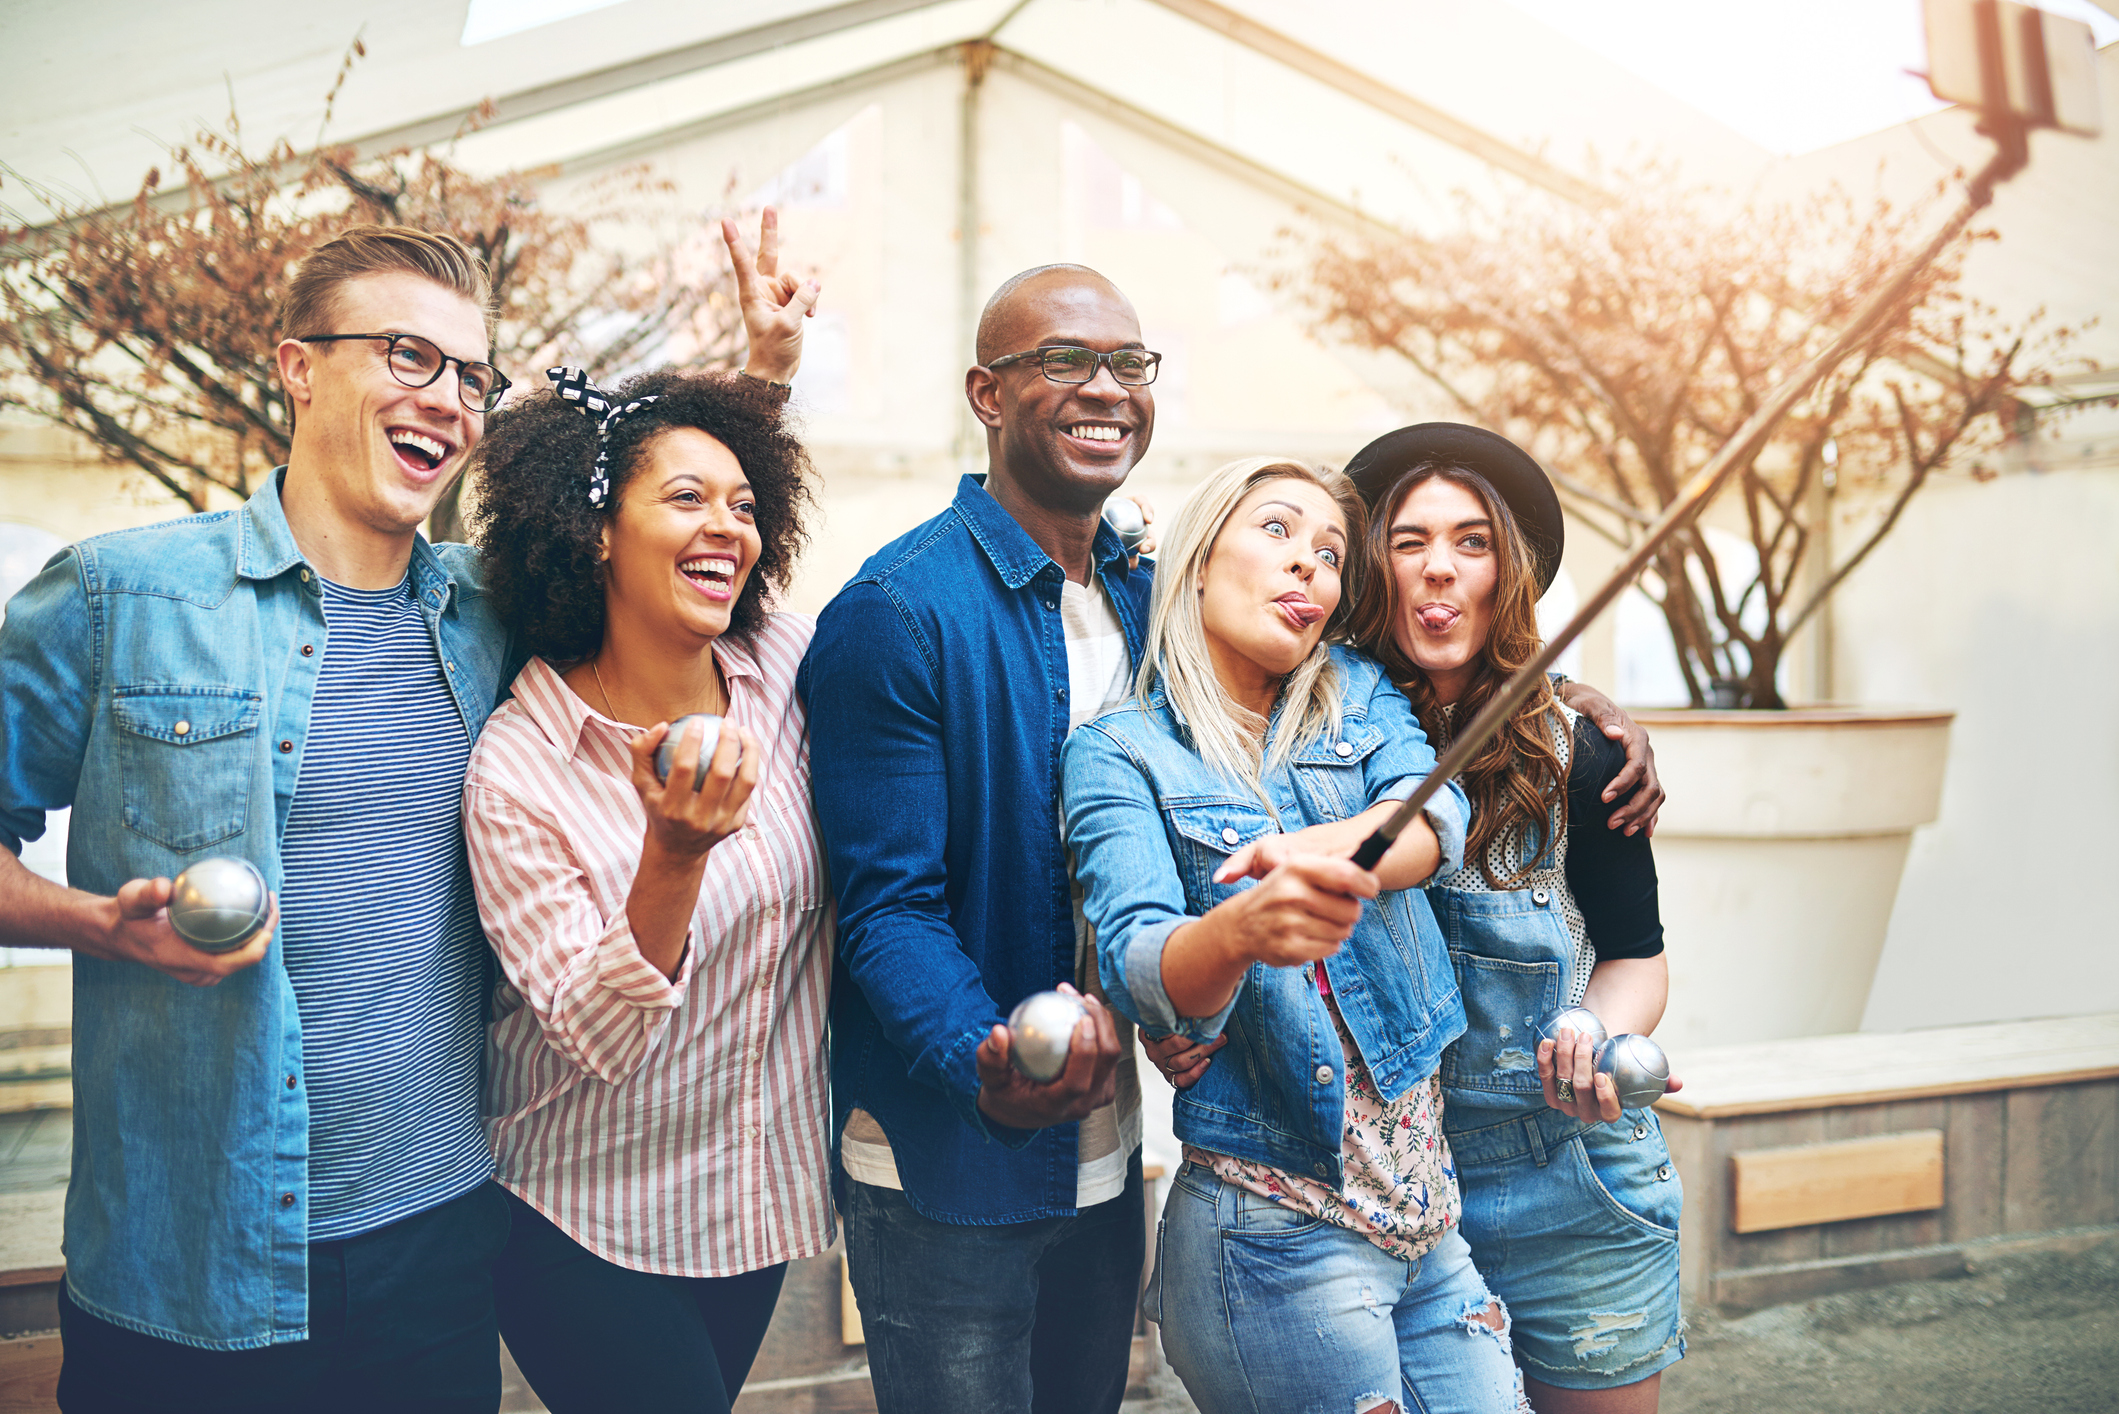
774, 305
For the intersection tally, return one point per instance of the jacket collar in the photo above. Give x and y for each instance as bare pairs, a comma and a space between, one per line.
268, 549
1016, 557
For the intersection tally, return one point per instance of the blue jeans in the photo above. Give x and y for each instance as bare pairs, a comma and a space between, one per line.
400, 1318
1580, 1239
996, 1319
1265, 1310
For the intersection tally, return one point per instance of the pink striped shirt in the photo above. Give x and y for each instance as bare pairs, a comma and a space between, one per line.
671, 1126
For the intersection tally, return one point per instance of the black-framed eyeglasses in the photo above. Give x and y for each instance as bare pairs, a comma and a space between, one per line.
416, 362
1064, 363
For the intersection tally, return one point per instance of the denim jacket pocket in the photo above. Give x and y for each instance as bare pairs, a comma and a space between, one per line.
185, 759
1332, 772
1205, 833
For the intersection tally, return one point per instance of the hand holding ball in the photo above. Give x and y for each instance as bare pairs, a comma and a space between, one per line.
1639, 1071
666, 753
1041, 1032
1575, 1018
217, 903
1123, 516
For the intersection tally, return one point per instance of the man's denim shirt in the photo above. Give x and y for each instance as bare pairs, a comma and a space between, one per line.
158, 681
1150, 822
937, 696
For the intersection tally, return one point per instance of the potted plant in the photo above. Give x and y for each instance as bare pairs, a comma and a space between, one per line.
1622, 342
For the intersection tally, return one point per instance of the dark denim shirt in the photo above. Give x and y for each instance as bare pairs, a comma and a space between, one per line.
1150, 823
937, 695
156, 681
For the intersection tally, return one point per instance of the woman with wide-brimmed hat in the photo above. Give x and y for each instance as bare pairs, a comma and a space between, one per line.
1570, 1201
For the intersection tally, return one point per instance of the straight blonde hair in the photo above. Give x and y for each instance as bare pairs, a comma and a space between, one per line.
1229, 736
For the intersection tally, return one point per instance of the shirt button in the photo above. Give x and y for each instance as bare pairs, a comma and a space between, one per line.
1663, 1172
305, 576
286, 746
1320, 1169
308, 650
1324, 1075
1059, 694
1229, 837
290, 1082
450, 666
182, 729
286, 1200
772, 910
755, 1131
1345, 748
1540, 897
1640, 1131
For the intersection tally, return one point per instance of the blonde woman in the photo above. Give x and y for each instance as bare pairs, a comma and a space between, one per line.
1213, 818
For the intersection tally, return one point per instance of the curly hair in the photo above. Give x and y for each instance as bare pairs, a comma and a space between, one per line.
539, 537
1514, 780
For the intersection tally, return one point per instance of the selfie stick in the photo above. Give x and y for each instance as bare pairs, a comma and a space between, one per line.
1691, 499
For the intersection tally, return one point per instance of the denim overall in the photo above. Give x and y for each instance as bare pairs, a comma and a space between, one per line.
1574, 1225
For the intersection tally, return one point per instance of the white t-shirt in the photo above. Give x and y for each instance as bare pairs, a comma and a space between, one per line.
1099, 676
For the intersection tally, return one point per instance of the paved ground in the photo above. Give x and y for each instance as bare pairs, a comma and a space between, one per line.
2020, 1333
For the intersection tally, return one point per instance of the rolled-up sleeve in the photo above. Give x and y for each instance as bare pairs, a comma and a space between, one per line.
1133, 897
47, 696
1395, 769
600, 1004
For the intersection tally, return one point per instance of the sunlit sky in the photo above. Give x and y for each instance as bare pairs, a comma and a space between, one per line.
1791, 75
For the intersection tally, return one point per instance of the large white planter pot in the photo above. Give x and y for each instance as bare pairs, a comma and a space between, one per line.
1779, 852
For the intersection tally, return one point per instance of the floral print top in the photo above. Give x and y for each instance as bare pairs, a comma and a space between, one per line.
1400, 1183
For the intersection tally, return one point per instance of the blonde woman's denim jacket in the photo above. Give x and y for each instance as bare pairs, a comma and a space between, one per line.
1149, 822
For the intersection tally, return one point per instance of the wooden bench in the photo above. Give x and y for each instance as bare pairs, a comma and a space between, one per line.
1831, 1162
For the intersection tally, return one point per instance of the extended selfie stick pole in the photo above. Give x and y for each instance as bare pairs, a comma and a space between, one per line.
1690, 500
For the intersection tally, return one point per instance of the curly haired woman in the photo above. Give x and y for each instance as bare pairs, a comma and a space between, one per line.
656, 1090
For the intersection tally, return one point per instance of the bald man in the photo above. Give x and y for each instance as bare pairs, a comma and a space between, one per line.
993, 1224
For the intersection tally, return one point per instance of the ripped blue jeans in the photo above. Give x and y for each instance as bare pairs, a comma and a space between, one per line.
1265, 1310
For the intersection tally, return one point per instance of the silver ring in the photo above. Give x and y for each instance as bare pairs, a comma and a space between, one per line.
1564, 1087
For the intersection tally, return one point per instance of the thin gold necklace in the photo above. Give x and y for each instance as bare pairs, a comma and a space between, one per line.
610, 708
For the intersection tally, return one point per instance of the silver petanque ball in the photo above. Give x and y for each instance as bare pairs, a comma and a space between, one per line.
667, 752
1574, 1018
217, 903
1041, 1029
1639, 1070
1123, 516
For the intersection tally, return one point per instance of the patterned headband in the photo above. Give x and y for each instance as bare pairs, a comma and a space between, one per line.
596, 405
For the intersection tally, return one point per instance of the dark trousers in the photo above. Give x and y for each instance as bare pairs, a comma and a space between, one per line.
592, 1335
1007, 1319
400, 1318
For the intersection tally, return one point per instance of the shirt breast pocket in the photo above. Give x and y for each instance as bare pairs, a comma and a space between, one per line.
1204, 835
185, 759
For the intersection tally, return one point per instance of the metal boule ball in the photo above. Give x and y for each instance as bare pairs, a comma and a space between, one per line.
1123, 515
1574, 1018
217, 903
667, 752
1041, 1030
1639, 1070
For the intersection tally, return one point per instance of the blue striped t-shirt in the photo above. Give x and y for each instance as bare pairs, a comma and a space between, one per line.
380, 927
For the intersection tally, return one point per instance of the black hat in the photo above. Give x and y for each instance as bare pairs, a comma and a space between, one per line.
1511, 471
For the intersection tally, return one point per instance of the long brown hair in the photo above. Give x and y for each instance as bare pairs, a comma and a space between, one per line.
1517, 778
